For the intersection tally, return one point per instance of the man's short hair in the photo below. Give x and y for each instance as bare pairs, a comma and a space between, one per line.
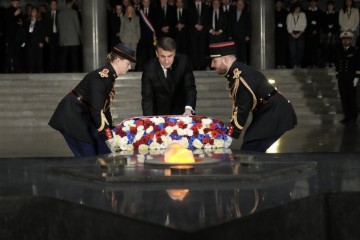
166, 43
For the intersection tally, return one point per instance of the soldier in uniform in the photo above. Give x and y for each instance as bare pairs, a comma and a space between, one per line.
347, 65
250, 91
83, 116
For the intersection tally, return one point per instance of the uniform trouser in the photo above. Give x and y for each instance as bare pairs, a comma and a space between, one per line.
260, 145
348, 96
84, 149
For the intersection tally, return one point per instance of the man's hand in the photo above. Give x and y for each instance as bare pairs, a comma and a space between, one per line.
187, 112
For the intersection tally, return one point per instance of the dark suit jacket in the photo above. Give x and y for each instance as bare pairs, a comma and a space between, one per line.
162, 21
114, 28
193, 14
37, 36
221, 24
146, 34
242, 28
163, 97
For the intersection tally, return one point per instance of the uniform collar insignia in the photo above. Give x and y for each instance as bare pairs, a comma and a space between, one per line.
237, 73
104, 73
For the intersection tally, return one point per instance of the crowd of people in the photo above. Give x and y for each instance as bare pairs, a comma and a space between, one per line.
46, 38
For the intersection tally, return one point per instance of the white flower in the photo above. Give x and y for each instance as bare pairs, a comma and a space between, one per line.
176, 127
206, 121
140, 128
126, 128
184, 142
154, 145
169, 129
150, 129
207, 146
157, 120
143, 149
219, 143
138, 136
197, 143
188, 132
181, 132
129, 123
186, 119
201, 131
166, 140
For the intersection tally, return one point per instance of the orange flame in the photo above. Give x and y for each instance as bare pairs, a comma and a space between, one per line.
177, 153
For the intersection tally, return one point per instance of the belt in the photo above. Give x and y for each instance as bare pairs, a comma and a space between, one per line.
265, 99
81, 99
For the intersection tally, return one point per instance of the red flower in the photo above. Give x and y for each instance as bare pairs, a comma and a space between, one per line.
212, 126
171, 124
206, 130
180, 124
150, 136
206, 140
158, 134
156, 128
163, 132
139, 123
184, 126
133, 130
195, 132
159, 141
174, 133
199, 125
214, 134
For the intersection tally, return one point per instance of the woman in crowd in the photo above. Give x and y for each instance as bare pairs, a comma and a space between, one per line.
330, 33
349, 19
35, 37
130, 29
296, 25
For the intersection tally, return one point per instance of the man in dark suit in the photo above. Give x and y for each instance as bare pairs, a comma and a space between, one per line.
250, 91
168, 83
114, 25
217, 23
52, 37
146, 49
347, 63
14, 37
165, 20
240, 29
198, 13
182, 28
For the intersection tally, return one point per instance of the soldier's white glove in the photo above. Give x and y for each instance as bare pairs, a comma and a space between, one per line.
356, 81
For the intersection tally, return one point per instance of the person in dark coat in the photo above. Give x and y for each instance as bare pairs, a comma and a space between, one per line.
83, 116
182, 28
52, 37
165, 20
281, 35
198, 17
146, 49
114, 25
14, 37
314, 18
35, 39
217, 23
240, 29
347, 63
250, 91
168, 83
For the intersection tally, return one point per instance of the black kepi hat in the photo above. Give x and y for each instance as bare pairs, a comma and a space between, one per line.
222, 49
124, 52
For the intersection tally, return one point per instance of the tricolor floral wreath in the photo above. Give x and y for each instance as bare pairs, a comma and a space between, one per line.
157, 132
